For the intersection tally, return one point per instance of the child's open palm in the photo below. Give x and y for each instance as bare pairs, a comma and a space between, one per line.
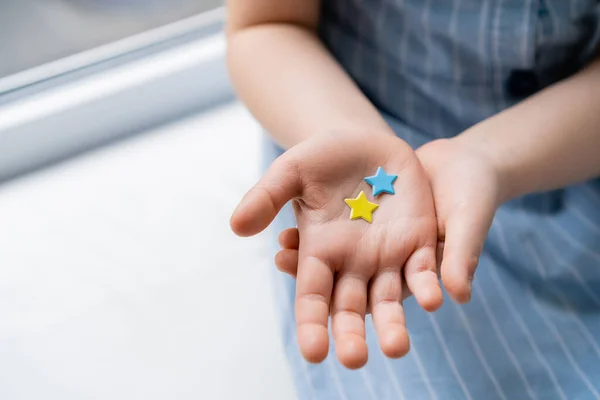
342, 262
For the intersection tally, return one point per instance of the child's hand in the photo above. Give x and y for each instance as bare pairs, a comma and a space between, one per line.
466, 189
343, 262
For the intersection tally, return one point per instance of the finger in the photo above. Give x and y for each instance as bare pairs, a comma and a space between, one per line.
405, 295
348, 320
420, 271
260, 205
465, 236
286, 261
385, 295
313, 295
289, 239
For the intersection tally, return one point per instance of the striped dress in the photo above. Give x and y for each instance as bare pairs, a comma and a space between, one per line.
532, 329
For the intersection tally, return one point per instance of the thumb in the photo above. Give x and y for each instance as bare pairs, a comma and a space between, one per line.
465, 234
257, 209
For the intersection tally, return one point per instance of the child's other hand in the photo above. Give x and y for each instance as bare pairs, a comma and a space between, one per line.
343, 262
466, 192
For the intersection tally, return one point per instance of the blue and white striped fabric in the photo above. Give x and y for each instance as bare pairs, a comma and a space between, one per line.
532, 330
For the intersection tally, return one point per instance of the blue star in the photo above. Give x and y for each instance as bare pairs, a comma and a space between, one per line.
381, 182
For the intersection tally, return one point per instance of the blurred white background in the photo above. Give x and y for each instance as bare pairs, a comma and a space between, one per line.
120, 279
119, 276
35, 32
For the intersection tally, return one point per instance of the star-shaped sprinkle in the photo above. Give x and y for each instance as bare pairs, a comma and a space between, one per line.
361, 207
381, 182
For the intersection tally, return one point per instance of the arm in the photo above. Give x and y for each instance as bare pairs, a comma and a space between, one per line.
548, 141
285, 75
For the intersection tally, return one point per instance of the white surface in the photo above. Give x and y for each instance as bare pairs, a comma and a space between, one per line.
119, 277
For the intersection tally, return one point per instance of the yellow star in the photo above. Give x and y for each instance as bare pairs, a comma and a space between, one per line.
361, 207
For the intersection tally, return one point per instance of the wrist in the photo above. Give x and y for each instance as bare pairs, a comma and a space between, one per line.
368, 130
497, 166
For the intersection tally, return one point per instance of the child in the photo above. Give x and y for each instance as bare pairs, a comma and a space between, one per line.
501, 100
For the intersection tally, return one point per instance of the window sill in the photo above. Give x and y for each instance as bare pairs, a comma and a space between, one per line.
136, 89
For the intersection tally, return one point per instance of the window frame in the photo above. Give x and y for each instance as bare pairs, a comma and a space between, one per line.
70, 106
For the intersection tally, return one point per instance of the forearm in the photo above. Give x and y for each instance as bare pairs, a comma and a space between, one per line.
294, 87
548, 141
